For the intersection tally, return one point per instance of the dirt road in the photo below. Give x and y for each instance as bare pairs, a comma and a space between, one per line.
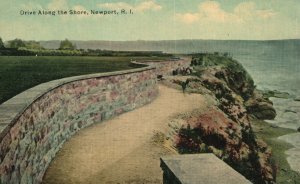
121, 150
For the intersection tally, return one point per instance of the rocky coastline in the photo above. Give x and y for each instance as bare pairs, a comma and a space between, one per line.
229, 127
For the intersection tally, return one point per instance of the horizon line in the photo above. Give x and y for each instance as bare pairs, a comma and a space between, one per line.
173, 40
141, 40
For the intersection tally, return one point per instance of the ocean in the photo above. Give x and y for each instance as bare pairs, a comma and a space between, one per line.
278, 68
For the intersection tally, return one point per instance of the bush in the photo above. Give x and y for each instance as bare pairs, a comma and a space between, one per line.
16, 43
1, 43
66, 45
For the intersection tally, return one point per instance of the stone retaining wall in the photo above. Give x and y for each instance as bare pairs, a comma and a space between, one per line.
167, 67
32, 133
35, 123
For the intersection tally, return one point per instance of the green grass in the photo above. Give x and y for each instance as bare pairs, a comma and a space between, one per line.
18, 73
269, 134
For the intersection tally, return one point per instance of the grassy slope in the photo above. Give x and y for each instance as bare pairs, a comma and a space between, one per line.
20, 73
264, 131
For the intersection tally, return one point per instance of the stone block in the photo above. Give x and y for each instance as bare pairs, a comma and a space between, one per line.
199, 169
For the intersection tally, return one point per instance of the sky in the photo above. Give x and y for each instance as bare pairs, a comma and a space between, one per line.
152, 20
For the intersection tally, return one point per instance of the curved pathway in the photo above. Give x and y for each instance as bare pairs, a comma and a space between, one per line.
120, 150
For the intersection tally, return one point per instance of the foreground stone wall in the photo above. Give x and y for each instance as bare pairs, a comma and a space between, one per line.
198, 169
35, 124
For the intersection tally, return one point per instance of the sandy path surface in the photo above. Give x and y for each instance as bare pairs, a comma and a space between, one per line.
120, 150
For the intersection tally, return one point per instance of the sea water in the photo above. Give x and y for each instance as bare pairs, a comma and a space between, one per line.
274, 68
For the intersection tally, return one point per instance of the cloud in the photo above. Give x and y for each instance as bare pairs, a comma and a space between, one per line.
188, 18
148, 5
211, 11
248, 10
31, 6
118, 5
141, 7
58, 5
207, 11
53, 5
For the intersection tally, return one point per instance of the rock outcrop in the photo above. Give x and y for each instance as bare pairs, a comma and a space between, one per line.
225, 129
260, 106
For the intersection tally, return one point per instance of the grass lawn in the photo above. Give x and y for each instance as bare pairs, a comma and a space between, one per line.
18, 73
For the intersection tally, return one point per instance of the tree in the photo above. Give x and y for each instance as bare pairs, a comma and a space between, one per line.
66, 45
16, 43
1, 43
33, 45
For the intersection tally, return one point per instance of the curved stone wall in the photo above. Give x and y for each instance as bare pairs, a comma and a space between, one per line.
36, 123
167, 67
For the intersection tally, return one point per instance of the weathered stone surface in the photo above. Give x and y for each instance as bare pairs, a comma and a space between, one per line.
199, 169
297, 99
261, 107
167, 67
276, 94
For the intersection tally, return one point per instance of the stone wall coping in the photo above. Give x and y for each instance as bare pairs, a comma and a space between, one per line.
185, 58
200, 169
12, 109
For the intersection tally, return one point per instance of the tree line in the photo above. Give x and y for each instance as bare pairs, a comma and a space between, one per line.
18, 47
18, 43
